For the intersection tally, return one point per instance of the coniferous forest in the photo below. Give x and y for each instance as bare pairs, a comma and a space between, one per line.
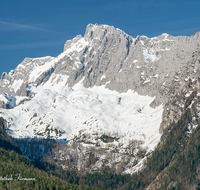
177, 157
174, 164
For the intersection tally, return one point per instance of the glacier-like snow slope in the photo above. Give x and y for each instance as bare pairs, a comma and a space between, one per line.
78, 109
106, 58
102, 83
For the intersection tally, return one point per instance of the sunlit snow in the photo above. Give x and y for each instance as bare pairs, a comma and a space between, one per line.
88, 110
17, 84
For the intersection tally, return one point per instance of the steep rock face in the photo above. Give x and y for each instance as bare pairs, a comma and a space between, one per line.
151, 77
159, 67
106, 55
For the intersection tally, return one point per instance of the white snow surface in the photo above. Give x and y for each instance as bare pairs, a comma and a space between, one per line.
38, 70
103, 76
17, 84
149, 54
137, 167
146, 81
12, 100
75, 109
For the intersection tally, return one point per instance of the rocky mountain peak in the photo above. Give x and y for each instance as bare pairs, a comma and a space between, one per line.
105, 84
70, 42
100, 31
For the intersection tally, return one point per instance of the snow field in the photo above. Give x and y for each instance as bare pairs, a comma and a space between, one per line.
97, 109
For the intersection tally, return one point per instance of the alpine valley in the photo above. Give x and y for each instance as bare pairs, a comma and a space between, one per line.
110, 103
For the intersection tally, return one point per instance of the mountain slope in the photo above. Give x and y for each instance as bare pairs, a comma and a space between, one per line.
5, 140
18, 173
107, 91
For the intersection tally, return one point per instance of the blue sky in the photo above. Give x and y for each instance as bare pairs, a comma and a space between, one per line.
37, 28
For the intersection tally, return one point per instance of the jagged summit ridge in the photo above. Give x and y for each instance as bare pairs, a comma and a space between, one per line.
106, 83
88, 56
103, 57
108, 56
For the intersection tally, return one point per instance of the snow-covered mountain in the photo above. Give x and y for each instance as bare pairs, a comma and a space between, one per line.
105, 84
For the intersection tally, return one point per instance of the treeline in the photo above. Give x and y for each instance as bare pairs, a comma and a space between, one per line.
17, 172
5, 140
35, 148
177, 157
174, 164
175, 139
104, 179
18, 168
185, 170
173, 143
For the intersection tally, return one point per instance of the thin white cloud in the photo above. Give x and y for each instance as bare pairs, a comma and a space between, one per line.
11, 26
30, 45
